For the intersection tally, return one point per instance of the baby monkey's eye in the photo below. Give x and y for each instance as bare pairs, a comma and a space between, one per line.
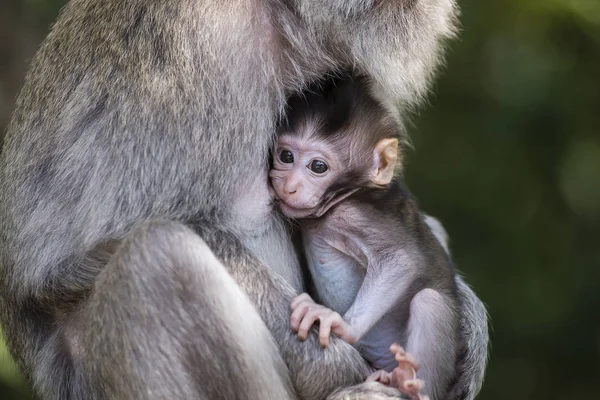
286, 157
318, 166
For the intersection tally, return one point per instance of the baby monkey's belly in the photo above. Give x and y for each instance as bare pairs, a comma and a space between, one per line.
337, 278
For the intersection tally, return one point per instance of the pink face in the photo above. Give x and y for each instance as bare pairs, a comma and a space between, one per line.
302, 171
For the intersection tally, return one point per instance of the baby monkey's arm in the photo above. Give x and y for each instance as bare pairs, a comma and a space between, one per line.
388, 276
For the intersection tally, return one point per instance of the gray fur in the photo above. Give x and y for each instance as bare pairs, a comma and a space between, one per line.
366, 391
134, 111
474, 324
438, 231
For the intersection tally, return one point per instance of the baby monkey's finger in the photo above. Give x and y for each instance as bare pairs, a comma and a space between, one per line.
300, 298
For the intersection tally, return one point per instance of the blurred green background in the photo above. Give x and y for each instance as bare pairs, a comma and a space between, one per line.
507, 155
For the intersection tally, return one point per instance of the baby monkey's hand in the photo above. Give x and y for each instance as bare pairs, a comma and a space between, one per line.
305, 312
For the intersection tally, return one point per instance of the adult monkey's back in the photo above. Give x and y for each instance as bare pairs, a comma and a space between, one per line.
142, 119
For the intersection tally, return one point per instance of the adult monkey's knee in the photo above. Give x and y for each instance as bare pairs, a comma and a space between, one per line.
165, 298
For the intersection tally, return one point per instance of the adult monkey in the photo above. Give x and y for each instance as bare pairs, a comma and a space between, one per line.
133, 187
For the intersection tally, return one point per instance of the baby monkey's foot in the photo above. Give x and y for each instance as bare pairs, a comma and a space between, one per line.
404, 376
305, 312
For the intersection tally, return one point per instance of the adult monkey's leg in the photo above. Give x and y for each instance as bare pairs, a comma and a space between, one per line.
174, 324
166, 321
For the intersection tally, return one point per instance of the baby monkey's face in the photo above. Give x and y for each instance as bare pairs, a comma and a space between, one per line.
305, 168
302, 171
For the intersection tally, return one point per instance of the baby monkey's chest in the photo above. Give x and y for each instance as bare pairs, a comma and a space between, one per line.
337, 266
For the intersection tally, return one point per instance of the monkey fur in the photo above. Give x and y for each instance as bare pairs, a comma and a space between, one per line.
140, 255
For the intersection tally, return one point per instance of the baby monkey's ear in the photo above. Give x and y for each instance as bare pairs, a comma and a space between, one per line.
385, 157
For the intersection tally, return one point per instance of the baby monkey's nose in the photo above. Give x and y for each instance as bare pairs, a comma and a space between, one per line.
290, 187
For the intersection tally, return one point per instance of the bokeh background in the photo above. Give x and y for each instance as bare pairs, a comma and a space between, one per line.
507, 155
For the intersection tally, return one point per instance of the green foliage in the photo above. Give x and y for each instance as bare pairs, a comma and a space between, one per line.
508, 157
43, 10
12, 384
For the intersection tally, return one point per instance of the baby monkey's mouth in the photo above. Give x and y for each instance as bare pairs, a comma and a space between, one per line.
295, 212
316, 211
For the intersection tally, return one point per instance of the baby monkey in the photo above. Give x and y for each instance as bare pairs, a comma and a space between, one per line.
382, 276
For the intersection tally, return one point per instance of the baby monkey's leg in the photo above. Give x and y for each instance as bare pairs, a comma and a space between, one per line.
433, 340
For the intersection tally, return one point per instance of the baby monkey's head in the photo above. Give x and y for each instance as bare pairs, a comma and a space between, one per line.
336, 140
